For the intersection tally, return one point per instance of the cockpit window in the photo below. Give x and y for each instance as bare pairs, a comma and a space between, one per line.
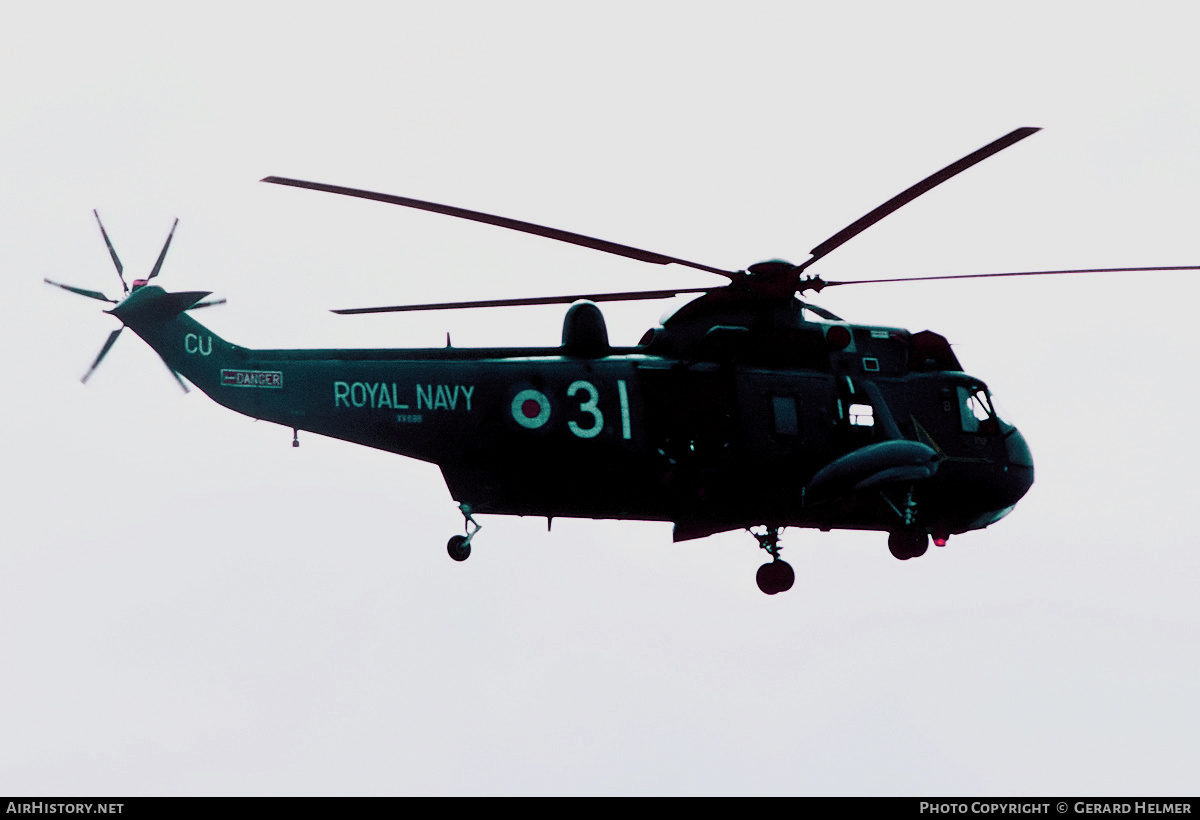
975, 407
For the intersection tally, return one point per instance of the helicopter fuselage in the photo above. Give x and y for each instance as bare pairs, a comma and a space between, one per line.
714, 424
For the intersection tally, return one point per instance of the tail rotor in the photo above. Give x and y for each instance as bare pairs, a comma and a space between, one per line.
127, 289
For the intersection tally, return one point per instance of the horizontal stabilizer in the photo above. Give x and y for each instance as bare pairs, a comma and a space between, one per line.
152, 303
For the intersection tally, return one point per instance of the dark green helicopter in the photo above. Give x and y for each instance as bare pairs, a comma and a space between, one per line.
747, 408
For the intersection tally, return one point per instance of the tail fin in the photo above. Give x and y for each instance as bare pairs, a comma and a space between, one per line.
187, 347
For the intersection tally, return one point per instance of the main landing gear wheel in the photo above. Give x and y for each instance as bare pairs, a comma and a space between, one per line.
906, 544
777, 576
459, 546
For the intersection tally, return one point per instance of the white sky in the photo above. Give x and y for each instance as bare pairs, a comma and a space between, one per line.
190, 606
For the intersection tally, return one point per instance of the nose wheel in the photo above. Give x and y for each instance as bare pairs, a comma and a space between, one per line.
905, 544
908, 540
778, 575
459, 546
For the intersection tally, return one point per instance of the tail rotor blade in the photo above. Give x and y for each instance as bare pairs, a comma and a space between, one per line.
163, 253
111, 252
112, 338
178, 378
91, 294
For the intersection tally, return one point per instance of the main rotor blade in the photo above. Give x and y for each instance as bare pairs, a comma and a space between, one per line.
209, 303
112, 338
91, 294
1015, 273
111, 251
855, 228
629, 296
505, 222
163, 253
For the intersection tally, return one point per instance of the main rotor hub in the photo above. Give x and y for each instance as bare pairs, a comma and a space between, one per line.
772, 268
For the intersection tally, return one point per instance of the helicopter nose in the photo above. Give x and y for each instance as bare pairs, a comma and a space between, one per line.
1020, 463
998, 493
1018, 450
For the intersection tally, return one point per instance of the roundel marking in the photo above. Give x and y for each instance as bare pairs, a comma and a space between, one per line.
530, 409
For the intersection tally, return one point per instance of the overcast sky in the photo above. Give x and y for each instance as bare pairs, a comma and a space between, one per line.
188, 605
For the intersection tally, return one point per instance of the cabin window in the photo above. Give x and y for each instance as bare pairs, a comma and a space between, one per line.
862, 415
783, 415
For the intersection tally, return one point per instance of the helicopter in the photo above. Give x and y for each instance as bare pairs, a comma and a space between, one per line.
748, 408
